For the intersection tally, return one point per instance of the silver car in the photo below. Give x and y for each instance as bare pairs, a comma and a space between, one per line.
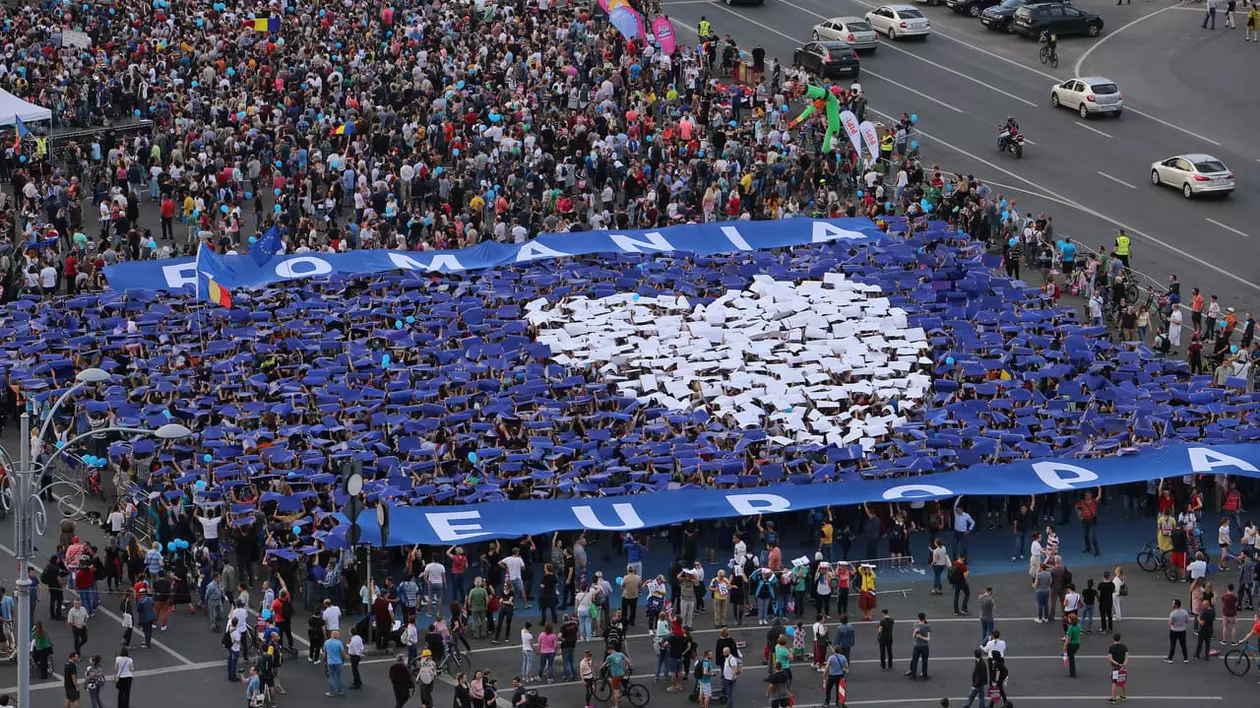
1193, 174
899, 21
1088, 96
853, 31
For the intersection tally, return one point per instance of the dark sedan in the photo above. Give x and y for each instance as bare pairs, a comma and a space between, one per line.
827, 59
970, 7
1000, 16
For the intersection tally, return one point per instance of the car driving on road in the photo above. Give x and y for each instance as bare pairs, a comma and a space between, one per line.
998, 17
830, 58
896, 21
970, 7
1088, 96
853, 31
1043, 19
1194, 174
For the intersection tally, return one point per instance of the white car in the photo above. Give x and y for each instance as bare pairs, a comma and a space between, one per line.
1088, 96
853, 31
1193, 174
899, 21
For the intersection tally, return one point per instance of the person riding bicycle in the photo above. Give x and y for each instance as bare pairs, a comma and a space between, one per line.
1052, 43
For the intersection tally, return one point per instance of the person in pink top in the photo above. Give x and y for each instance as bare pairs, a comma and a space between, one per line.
547, 653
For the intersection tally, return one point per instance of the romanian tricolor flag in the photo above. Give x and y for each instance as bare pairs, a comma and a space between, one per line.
344, 129
264, 24
218, 294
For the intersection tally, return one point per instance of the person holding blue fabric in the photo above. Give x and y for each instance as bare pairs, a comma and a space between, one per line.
764, 591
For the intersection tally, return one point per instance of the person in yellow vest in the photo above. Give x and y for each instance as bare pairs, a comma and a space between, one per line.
1253, 24
867, 600
1122, 248
704, 28
41, 147
886, 147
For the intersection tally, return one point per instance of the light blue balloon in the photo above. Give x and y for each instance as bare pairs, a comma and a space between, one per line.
1006, 215
136, 113
397, 324
224, 209
276, 191
279, 164
249, 195
888, 206
411, 319
1222, 324
925, 204
61, 444
460, 85
231, 71
170, 546
455, 152
859, 193
914, 117
949, 361
201, 484
472, 457
635, 297
253, 239
385, 361
207, 457
297, 530
1012, 242
1233, 349
914, 144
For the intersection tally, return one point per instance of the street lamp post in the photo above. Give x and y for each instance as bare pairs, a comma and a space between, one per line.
29, 514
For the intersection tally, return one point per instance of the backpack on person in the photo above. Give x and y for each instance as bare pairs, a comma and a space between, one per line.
955, 575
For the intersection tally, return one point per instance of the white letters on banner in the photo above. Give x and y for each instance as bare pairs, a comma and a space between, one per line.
1051, 474
916, 491
303, 267
651, 241
1205, 459
443, 525
442, 262
627, 516
754, 504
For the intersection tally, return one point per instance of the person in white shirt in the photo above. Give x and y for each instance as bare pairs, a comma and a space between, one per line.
1198, 567
513, 564
820, 644
435, 582
1071, 602
527, 651
355, 650
48, 280
209, 528
124, 672
116, 521
995, 644
332, 618
741, 553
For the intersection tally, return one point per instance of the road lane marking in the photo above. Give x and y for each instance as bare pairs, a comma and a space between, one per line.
866, 72
174, 654
1117, 180
1050, 192
1227, 227
1052, 77
1085, 209
963, 699
1090, 127
890, 46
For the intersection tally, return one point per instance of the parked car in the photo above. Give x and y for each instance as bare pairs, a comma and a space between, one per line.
899, 21
853, 31
1088, 96
998, 17
1038, 21
970, 7
829, 58
1193, 174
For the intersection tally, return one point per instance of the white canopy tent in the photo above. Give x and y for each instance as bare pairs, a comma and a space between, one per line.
11, 106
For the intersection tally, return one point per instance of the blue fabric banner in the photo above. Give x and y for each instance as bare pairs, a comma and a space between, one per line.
236, 271
444, 525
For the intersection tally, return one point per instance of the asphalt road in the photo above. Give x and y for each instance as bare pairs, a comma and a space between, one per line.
1093, 176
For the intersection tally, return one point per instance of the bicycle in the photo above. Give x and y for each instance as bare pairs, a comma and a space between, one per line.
636, 693
1049, 55
1153, 560
1238, 661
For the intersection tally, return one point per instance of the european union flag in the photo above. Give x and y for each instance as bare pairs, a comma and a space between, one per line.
266, 246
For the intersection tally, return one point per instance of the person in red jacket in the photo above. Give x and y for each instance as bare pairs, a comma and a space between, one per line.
168, 217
